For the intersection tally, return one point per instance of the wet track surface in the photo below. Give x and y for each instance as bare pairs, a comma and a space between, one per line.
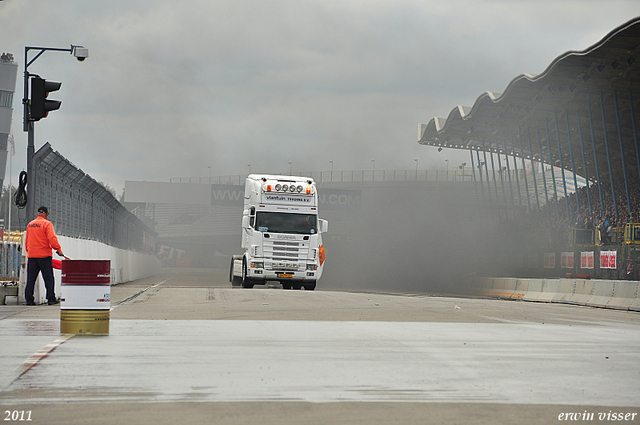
251, 360
188, 337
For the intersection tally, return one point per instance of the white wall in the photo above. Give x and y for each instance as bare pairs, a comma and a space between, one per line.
126, 266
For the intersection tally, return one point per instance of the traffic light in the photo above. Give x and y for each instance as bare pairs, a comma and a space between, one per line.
40, 105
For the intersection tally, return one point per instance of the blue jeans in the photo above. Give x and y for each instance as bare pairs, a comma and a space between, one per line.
35, 266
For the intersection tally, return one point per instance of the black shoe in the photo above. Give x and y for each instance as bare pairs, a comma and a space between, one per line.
53, 302
31, 303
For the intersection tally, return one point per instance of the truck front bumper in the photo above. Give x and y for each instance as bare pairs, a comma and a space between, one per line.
262, 274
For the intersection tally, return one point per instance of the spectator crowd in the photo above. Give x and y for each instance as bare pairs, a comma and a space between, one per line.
552, 227
604, 217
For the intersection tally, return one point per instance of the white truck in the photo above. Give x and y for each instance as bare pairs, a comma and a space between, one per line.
281, 233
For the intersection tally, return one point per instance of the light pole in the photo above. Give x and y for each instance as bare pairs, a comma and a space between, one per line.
447, 161
331, 176
249, 165
80, 53
461, 167
290, 168
373, 178
416, 160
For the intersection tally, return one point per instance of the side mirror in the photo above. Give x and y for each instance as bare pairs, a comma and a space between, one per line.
324, 226
246, 223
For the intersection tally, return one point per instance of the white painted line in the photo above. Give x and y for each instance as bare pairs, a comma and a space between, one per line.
136, 295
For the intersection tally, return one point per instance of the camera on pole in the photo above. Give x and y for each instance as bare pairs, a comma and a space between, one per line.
40, 105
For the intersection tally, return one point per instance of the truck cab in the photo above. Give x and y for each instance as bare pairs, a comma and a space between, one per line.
281, 233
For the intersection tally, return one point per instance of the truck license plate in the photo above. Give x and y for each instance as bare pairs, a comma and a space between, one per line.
285, 275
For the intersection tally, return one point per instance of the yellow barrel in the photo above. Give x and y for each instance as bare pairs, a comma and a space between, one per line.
86, 297
84, 322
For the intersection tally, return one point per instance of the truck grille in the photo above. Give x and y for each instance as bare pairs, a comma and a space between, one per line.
285, 250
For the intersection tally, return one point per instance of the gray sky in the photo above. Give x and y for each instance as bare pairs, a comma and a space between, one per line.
172, 88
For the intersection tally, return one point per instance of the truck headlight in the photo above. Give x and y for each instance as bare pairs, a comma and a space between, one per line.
257, 264
312, 267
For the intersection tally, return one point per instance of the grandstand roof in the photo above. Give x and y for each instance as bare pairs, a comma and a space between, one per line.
576, 88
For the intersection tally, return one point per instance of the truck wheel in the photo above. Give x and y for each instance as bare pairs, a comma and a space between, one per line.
286, 285
235, 280
297, 285
246, 282
310, 286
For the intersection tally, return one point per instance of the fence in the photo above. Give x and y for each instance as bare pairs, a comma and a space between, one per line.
81, 208
453, 175
9, 260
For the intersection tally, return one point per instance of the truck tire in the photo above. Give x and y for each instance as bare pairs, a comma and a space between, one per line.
286, 285
310, 286
235, 280
246, 282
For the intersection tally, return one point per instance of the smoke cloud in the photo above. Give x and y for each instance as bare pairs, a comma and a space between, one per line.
175, 89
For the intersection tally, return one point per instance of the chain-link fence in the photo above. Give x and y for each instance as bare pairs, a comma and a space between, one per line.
80, 207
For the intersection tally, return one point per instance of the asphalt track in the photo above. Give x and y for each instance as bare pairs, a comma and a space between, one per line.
184, 347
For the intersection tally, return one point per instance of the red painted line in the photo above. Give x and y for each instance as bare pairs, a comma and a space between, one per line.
41, 354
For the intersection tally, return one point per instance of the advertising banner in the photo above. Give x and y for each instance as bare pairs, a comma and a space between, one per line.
566, 260
549, 260
608, 259
586, 260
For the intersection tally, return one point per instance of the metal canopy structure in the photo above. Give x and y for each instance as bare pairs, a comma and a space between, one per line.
580, 114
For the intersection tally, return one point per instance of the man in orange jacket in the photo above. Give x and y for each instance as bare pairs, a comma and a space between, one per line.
40, 240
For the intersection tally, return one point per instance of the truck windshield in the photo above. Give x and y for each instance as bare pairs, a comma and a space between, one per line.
286, 223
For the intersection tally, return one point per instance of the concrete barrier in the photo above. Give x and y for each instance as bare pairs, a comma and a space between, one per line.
602, 293
582, 293
624, 293
635, 303
497, 283
619, 294
522, 286
534, 290
504, 288
565, 289
7, 291
549, 290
